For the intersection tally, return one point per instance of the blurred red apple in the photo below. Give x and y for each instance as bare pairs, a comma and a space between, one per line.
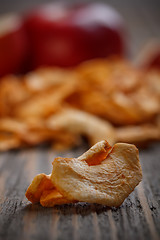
13, 44
155, 62
66, 35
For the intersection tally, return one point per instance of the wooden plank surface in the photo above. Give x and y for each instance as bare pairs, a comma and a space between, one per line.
137, 218
139, 215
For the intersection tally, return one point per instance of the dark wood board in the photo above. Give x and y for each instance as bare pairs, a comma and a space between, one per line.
137, 218
139, 215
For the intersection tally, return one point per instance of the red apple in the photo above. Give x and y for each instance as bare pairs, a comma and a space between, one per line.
66, 35
155, 62
13, 44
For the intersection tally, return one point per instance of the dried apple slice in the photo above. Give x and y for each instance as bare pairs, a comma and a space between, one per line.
108, 182
79, 122
138, 134
43, 104
50, 198
40, 183
9, 141
42, 190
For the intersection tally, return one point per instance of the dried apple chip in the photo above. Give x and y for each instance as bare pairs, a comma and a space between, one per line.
11, 125
44, 78
46, 103
9, 141
42, 190
27, 132
138, 134
12, 92
50, 198
79, 122
108, 182
40, 183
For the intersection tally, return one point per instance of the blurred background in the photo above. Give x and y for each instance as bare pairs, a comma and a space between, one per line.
64, 36
142, 17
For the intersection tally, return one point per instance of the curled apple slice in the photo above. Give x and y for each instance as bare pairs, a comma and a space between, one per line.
79, 122
107, 181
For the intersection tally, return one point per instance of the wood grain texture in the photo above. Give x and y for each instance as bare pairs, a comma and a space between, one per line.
138, 217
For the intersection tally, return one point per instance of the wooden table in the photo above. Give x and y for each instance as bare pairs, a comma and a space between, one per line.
137, 218
139, 215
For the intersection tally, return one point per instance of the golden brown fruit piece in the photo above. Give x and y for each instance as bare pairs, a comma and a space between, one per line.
40, 183
138, 134
8, 142
108, 182
46, 103
42, 190
79, 122
52, 197
45, 78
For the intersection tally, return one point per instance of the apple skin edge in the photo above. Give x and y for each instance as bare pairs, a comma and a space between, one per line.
65, 35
